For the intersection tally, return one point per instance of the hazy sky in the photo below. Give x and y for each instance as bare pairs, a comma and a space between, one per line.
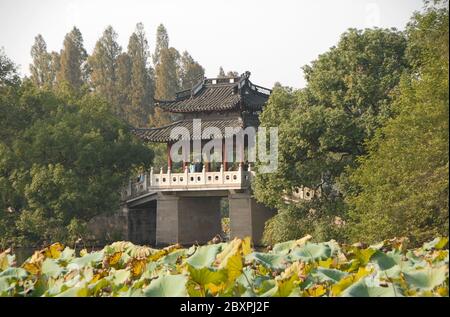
272, 39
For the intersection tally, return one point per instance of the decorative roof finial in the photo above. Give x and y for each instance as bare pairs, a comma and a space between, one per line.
246, 74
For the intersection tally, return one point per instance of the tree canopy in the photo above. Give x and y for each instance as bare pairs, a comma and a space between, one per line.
401, 186
63, 160
368, 134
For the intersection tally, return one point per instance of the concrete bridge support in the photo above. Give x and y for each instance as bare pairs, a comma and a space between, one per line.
187, 220
142, 224
247, 217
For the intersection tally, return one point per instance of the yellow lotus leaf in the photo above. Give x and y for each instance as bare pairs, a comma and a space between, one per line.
163, 252
296, 268
53, 251
337, 288
442, 291
4, 264
234, 266
326, 263
315, 291
34, 264
286, 286
114, 259
216, 289
137, 267
246, 246
232, 248
262, 270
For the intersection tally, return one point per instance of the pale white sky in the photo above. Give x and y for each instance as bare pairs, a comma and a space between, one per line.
272, 39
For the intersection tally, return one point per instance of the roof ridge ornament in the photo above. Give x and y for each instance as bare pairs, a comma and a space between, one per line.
246, 75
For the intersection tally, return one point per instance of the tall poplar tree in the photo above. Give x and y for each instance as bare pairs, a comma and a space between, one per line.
191, 71
141, 92
162, 42
104, 67
167, 74
123, 83
40, 69
73, 58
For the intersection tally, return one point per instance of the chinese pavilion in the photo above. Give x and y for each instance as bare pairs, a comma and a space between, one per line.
183, 206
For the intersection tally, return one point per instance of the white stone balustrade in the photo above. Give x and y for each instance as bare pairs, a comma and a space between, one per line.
187, 181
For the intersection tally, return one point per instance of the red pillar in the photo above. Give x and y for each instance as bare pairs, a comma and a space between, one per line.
169, 159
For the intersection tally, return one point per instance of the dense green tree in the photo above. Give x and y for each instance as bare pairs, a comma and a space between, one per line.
65, 164
8, 71
62, 161
191, 72
73, 60
141, 81
401, 187
104, 67
322, 128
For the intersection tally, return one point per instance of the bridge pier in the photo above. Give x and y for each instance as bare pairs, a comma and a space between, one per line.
187, 220
247, 217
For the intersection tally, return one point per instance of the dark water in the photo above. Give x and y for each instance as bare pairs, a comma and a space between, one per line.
22, 254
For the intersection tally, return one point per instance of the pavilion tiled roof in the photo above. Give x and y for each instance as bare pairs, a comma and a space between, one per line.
217, 95
163, 134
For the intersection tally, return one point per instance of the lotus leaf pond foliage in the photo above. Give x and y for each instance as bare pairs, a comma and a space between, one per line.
292, 268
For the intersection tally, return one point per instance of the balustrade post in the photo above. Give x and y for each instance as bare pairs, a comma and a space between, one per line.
221, 173
150, 181
168, 175
204, 174
239, 174
145, 181
186, 172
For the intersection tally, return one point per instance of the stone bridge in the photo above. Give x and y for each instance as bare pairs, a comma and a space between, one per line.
166, 208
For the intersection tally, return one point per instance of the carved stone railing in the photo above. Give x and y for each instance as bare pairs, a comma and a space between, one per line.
187, 181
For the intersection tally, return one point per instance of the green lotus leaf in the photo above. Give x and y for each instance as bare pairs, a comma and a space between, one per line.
67, 255
88, 259
311, 252
167, 286
119, 277
206, 275
14, 272
51, 268
171, 258
80, 291
268, 288
283, 248
5, 286
324, 275
427, 278
96, 287
269, 260
385, 261
363, 288
205, 255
